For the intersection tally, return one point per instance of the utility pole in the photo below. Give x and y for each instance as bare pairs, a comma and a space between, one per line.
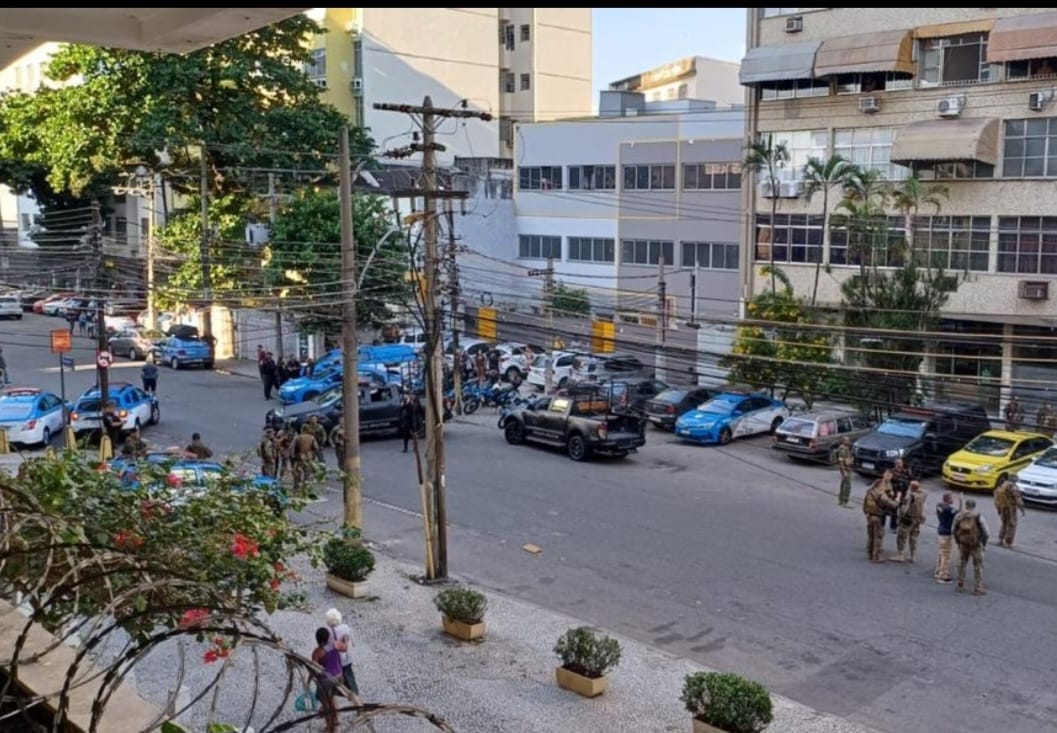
207, 276
273, 213
435, 473
352, 491
548, 306
453, 293
662, 319
102, 372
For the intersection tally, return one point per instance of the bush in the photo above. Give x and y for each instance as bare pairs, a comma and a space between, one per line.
727, 701
461, 604
586, 652
348, 559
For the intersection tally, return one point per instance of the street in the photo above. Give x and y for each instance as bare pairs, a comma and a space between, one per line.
734, 557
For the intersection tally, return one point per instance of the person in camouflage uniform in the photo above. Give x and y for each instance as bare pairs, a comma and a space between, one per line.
305, 452
845, 463
875, 505
337, 439
317, 431
283, 445
135, 446
267, 452
911, 517
1008, 501
971, 535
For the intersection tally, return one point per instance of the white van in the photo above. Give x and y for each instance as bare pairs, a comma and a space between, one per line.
11, 306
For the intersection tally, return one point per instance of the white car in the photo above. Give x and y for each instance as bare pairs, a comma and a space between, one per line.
563, 367
11, 306
31, 416
514, 359
1038, 482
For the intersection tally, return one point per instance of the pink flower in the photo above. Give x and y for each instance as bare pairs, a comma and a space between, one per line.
210, 656
126, 540
193, 617
173, 481
243, 547
274, 584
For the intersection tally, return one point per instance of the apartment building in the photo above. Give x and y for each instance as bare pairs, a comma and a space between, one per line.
693, 77
519, 64
640, 193
962, 96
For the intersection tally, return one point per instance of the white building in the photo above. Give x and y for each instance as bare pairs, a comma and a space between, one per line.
693, 77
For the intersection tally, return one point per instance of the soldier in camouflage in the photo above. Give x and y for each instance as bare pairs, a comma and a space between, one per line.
317, 431
1008, 501
875, 505
266, 451
845, 463
911, 517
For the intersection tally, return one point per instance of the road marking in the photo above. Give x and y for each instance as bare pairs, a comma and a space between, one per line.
394, 507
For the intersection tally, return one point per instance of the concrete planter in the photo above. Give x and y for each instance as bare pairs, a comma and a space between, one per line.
347, 587
461, 629
701, 726
585, 686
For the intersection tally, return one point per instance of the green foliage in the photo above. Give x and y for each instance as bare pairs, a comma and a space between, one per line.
586, 652
568, 301
303, 259
766, 159
727, 701
461, 604
783, 348
348, 559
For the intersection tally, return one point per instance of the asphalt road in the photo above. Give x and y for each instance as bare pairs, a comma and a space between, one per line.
734, 557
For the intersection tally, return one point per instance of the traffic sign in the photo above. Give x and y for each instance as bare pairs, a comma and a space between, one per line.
103, 359
67, 361
61, 341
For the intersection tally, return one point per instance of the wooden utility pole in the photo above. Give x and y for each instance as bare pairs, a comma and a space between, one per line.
352, 490
432, 316
102, 372
662, 319
273, 214
207, 275
548, 305
453, 293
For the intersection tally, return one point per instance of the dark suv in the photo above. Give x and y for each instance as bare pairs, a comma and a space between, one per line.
922, 436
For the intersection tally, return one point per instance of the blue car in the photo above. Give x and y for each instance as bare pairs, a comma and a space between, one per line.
135, 407
300, 389
731, 415
193, 476
31, 416
183, 351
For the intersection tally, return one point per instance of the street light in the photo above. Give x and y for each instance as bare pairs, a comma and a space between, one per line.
141, 183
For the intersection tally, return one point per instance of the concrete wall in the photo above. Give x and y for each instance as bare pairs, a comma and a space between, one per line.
562, 62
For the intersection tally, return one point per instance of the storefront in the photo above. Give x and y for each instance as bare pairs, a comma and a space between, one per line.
968, 366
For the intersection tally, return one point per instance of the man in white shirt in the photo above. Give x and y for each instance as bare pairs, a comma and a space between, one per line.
341, 639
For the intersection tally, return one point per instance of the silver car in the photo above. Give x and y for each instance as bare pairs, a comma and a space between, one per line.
134, 344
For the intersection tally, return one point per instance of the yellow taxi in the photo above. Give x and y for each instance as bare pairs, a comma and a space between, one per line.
991, 457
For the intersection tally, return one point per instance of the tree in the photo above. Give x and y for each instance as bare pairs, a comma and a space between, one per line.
567, 301
303, 257
909, 196
820, 176
765, 159
781, 347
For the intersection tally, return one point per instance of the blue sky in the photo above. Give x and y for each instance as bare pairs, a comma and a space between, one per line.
630, 40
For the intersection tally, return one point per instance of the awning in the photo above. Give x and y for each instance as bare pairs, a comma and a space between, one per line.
958, 28
873, 52
786, 62
960, 139
1023, 38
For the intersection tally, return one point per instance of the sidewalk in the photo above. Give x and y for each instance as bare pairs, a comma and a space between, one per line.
505, 683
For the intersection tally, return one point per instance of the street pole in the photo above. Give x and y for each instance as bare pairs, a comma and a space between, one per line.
207, 277
352, 491
273, 214
548, 303
102, 372
662, 319
150, 252
453, 279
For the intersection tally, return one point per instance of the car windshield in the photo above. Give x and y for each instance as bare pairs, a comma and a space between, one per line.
798, 426
12, 410
989, 445
902, 427
324, 375
718, 407
1048, 459
88, 404
674, 396
328, 398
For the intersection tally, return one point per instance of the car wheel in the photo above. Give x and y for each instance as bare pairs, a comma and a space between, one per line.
563, 383
511, 373
174, 363
208, 365
775, 424
514, 432
132, 355
577, 448
45, 438
470, 406
155, 414
309, 396
725, 436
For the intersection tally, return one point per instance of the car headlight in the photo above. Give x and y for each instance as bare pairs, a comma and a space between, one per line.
894, 453
984, 468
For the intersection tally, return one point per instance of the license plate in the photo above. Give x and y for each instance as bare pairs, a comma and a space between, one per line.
655, 419
683, 431
867, 465
792, 440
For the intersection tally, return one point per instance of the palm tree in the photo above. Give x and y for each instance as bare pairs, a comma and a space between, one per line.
765, 159
821, 176
910, 196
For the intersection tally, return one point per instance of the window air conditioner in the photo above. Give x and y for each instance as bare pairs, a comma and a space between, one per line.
1034, 290
794, 24
767, 189
869, 104
1038, 100
951, 106
320, 82
791, 189
357, 85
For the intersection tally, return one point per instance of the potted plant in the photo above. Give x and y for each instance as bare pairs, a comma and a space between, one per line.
462, 612
586, 656
348, 563
726, 703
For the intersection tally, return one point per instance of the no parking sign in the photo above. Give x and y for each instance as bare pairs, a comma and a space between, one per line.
103, 359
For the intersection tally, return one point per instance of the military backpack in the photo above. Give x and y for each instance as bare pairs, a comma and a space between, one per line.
967, 531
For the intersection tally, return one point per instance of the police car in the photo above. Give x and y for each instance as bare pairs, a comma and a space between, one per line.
31, 416
135, 407
731, 415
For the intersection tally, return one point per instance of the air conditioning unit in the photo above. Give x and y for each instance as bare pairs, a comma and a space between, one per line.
1034, 290
1037, 101
869, 104
767, 189
794, 24
357, 85
950, 106
791, 189
320, 82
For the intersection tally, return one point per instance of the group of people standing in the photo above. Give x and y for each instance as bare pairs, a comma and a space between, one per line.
333, 654
1045, 418
299, 454
274, 372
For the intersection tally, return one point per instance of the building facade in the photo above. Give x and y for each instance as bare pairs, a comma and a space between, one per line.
519, 64
959, 96
694, 77
635, 197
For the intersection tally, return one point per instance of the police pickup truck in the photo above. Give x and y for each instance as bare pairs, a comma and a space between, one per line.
581, 425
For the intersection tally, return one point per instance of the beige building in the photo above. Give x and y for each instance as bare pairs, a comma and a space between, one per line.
693, 77
962, 96
520, 64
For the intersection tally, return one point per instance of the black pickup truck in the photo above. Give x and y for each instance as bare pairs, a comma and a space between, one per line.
580, 425
379, 410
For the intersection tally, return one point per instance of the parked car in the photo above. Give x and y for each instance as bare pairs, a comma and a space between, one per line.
135, 344
1038, 481
379, 410
135, 407
600, 367
992, 457
816, 435
669, 405
11, 306
731, 415
582, 426
563, 366
31, 416
922, 436
186, 350
624, 394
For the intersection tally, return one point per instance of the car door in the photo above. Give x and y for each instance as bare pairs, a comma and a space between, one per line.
550, 424
757, 417
1026, 451
139, 404
372, 408
55, 415
741, 418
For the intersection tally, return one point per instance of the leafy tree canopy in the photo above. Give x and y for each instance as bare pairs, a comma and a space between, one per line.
568, 301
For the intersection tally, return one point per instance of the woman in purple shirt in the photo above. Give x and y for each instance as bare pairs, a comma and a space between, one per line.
327, 682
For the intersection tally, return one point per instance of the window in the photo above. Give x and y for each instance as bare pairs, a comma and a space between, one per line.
710, 255
796, 238
953, 242
649, 177
794, 89
1033, 69
647, 252
525, 33
775, 12
954, 170
883, 243
540, 178
506, 130
508, 81
591, 249
508, 36
869, 147
801, 145
592, 177
357, 59
954, 60
526, 80
1030, 149
711, 176
1027, 244
886, 81
536, 247
317, 67
25, 220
